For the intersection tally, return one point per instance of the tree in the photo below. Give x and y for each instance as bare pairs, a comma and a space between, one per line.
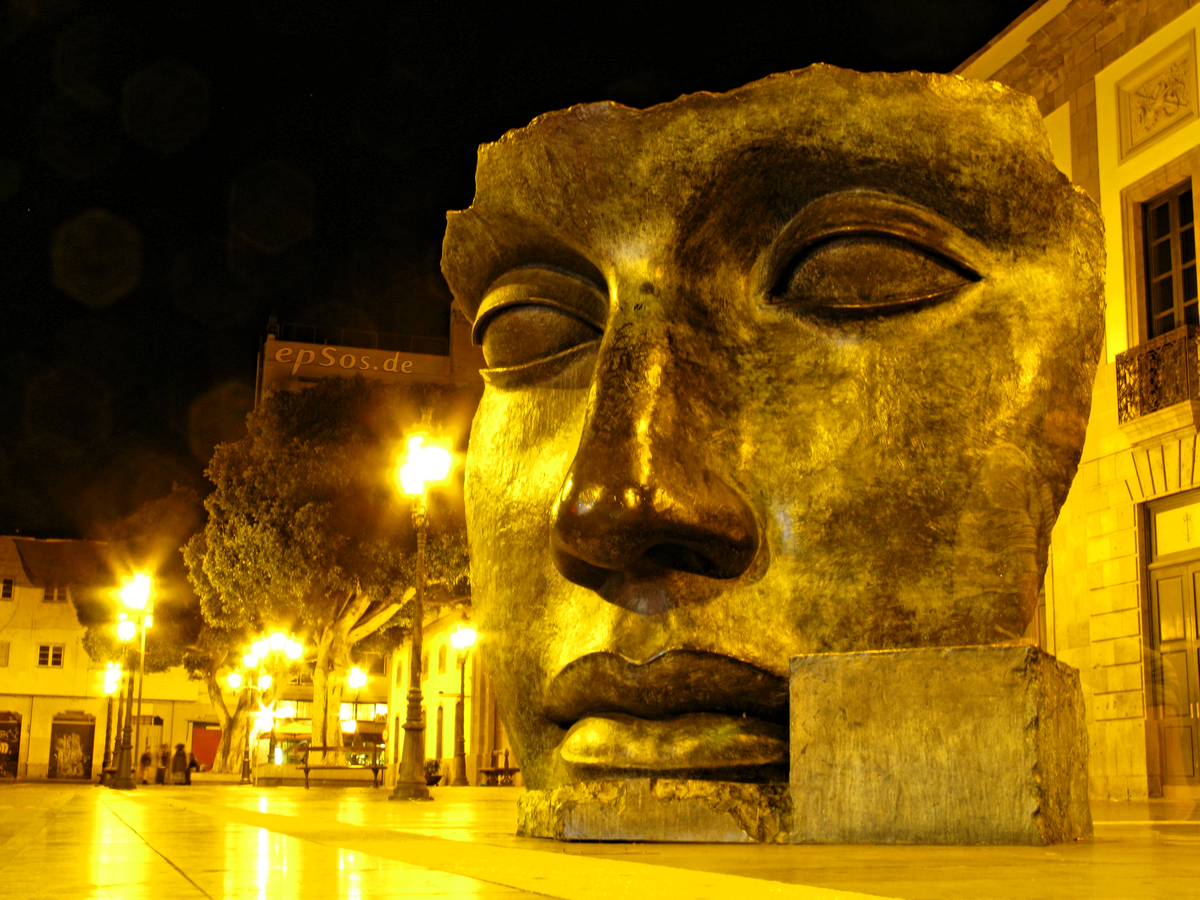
306, 528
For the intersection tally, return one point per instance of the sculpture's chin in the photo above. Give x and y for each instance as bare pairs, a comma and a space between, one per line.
697, 745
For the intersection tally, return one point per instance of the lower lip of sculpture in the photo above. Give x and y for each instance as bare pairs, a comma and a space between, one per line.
689, 744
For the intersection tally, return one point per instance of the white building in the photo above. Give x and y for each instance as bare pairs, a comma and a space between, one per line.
53, 709
485, 738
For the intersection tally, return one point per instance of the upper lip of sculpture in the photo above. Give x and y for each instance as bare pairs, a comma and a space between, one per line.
672, 683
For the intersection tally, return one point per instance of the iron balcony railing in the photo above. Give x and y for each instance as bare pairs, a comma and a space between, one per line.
1157, 374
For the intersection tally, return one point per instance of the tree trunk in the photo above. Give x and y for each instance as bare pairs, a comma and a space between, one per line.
232, 748
334, 641
329, 681
235, 727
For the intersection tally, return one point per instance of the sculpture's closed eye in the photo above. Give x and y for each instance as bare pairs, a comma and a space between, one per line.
868, 274
533, 323
862, 253
530, 332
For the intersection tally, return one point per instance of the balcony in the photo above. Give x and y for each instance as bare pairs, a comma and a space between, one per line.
1158, 385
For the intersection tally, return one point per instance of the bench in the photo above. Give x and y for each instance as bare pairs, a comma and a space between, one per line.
375, 766
499, 776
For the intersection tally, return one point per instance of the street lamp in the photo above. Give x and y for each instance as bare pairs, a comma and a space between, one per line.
260, 653
135, 594
357, 679
462, 640
112, 685
425, 463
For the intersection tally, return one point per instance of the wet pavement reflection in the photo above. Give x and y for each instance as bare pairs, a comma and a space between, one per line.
229, 841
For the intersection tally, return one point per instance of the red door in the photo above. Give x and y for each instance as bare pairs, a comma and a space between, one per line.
204, 744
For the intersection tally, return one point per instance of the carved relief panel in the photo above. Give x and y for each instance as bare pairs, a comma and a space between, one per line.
1158, 97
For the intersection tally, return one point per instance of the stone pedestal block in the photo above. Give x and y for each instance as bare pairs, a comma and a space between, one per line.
941, 746
657, 809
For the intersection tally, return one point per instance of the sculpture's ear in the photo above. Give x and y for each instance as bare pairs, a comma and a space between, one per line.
1000, 548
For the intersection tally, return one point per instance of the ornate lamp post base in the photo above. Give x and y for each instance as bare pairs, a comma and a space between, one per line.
460, 756
410, 780
124, 780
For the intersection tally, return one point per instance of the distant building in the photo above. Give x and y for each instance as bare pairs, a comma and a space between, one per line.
295, 355
485, 737
54, 713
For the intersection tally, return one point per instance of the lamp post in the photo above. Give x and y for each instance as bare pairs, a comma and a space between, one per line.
135, 594
424, 464
357, 679
259, 653
112, 685
462, 641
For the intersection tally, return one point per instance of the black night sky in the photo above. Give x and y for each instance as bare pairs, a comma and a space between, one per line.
172, 174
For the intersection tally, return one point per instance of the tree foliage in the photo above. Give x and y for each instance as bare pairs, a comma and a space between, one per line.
307, 531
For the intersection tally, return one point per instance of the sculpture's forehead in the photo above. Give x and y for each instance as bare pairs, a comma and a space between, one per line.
593, 180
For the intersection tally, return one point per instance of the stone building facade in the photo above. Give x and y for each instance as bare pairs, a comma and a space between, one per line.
1116, 84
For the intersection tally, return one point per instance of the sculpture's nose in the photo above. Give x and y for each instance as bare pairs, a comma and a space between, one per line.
641, 497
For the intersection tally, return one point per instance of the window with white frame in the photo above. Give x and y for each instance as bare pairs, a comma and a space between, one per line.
1168, 230
6, 589
50, 656
54, 594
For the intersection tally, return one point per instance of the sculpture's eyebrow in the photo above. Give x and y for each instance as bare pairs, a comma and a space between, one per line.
480, 247
758, 188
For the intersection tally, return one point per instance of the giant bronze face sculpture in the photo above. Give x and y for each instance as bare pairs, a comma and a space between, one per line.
804, 367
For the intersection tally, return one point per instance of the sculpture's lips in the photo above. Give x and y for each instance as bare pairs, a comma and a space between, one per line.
672, 684
711, 743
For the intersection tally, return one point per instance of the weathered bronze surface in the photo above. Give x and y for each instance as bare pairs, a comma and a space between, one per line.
964, 745
658, 809
804, 367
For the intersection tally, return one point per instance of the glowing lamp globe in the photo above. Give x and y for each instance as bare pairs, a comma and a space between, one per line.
235, 680
294, 649
357, 678
112, 678
462, 638
249, 660
349, 726
278, 640
423, 464
126, 629
136, 591
264, 682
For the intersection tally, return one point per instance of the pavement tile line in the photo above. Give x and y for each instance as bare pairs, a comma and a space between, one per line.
546, 872
141, 837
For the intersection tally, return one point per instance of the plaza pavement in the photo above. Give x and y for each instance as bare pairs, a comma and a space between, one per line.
229, 841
